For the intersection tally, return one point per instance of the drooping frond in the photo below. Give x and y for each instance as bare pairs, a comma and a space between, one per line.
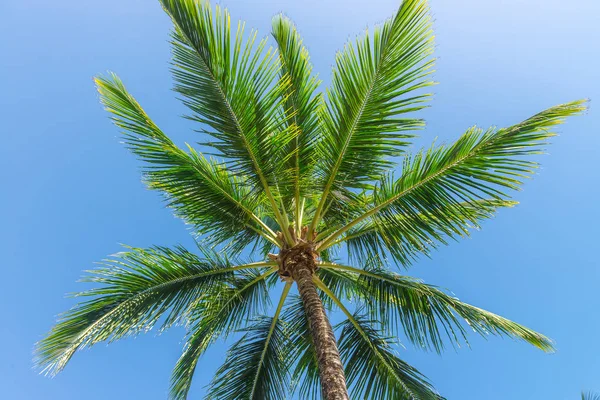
229, 84
341, 283
479, 165
301, 108
373, 370
137, 287
219, 312
590, 396
256, 366
202, 192
302, 354
373, 85
426, 314
406, 236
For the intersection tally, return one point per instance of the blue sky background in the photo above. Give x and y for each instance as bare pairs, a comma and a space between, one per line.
70, 192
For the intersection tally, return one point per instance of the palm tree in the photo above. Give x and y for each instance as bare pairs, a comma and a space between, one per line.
297, 175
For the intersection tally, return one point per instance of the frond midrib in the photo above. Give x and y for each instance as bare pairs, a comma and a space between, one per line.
232, 114
286, 290
159, 287
351, 132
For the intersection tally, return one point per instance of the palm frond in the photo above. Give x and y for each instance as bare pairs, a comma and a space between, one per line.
426, 314
372, 86
590, 396
301, 108
137, 288
202, 192
404, 237
302, 354
256, 366
373, 370
219, 312
341, 283
479, 165
229, 84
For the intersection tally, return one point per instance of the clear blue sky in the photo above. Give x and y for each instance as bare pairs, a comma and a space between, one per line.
70, 192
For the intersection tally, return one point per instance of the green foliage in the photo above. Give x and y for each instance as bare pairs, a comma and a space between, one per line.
302, 354
219, 312
257, 365
288, 157
373, 84
203, 192
227, 84
137, 288
373, 370
244, 364
590, 396
405, 236
424, 313
301, 107
480, 165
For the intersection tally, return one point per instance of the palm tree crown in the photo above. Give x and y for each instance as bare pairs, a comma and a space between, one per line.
298, 174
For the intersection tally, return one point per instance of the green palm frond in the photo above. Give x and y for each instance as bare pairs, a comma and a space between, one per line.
202, 192
426, 314
407, 236
590, 396
219, 312
301, 106
479, 165
373, 370
340, 282
256, 366
302, 354
229, 83
373, 84
137, 288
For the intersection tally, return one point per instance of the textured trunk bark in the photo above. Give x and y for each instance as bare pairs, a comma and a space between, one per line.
331, 371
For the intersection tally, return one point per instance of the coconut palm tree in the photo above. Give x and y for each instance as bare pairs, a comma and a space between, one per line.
295, 175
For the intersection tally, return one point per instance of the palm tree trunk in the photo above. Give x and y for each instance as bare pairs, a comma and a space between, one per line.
331, 371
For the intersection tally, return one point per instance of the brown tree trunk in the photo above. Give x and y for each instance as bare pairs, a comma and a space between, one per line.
331, 371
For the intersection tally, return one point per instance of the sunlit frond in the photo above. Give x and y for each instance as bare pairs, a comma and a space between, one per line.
202, 192
590, 396
404, 237
137, 287
427, 315
302, 103
257, 365
219, 312
302, 354
373, 370
373, 85
480, 165
229, 83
